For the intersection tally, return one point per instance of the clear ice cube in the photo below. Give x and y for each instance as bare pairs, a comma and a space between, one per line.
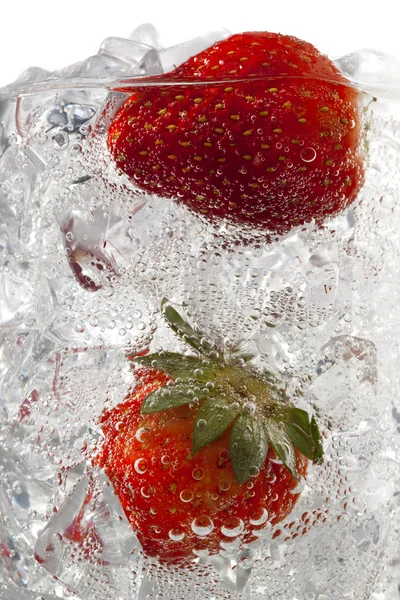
347, 365
375, 72
147, 34
89, 545
140, 58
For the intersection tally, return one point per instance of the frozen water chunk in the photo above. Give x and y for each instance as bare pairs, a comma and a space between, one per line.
175, 55
17, 563
117, 57
70, 116
27, 496
140, 58
9, 590
347, 363
89, 544
19, 177
87, 255
16, 297
146, 34
33, 74
88, 381
376, 72
322, 280
96, 66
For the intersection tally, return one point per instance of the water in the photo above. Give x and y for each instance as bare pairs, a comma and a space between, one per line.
86, 259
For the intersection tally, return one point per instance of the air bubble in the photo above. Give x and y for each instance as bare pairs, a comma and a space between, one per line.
17, 487
141, 465
259, 519
224, 485
308, 154
176, 535
234, 528
93, 321
186, 496
198, 474
202, 526
60, 140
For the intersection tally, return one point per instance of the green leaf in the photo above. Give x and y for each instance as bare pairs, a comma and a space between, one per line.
172, 396
213, 418
301, 440
177, 365
318, 448
282, 445
195, 339
305, 434
299, 417
248, 446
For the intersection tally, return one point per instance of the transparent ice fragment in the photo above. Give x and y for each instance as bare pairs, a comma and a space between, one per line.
19, 178
375, 72
16, 556
87, 252
322, 279
33, 74
70, 116
140, 58
233, 576
88, 544
88, 381
9, 591
3, 139
149, 65
28, 497
173, 56
346, 364
99, 66
147, 34
16, 297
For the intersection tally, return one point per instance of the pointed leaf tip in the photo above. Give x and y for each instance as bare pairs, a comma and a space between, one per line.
213, 418
305, 434
283, 446
195, 339
317, 438
248, 446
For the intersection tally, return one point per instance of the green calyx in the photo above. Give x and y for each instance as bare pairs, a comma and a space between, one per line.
229, 392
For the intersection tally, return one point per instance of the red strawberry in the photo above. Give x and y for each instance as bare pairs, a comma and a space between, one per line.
259, 129
192, 452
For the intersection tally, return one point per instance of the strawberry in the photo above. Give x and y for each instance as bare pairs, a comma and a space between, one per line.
260, 129
204, 450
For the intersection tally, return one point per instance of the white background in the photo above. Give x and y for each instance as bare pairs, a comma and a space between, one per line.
55, 33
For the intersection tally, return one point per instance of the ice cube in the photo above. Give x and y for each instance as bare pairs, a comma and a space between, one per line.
89, 545
17, 564
140, 58
34, 74
89, 381
98, 66
20, 179
70, 116
347, 365
27, 496
375, 72
146, 34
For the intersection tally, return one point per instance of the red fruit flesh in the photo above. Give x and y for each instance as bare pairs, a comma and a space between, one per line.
277, 145
179, 503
